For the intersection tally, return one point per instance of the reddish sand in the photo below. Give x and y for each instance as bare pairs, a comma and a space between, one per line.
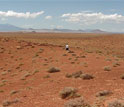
20, 58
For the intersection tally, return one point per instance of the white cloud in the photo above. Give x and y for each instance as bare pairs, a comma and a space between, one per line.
48, 17
20, 15
92, 18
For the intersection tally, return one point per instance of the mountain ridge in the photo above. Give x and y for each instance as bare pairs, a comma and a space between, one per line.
12, 28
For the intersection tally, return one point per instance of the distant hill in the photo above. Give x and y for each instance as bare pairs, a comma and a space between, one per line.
67, 30
12, 28
9, 28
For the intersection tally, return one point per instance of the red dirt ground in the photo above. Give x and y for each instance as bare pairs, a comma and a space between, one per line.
21, 58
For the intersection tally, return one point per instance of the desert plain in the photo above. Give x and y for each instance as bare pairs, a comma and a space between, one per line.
92, 69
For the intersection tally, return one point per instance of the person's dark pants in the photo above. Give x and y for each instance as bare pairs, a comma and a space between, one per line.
67, 48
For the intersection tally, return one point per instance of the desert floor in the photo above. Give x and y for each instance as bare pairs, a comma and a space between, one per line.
25, 59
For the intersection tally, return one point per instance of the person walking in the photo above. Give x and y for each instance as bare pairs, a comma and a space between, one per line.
67, 47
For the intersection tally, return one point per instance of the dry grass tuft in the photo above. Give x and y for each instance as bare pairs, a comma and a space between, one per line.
122, 76
103, 93
116, 103
8, 103
86, 76
107, 68
53, 70
77, 102
68, 92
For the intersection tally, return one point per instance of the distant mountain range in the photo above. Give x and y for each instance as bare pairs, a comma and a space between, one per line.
9, 28
12, 28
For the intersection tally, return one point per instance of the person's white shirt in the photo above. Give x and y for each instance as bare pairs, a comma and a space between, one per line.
66, 46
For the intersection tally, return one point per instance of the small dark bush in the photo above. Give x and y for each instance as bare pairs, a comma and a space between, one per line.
77, 102
86, 76
8, 103
116, 103
68, 92
74, 75
122, 76
107, 68
68, 75
77, 74
103, 93
53, 70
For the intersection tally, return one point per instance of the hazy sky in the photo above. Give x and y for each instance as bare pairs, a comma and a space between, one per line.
68, 14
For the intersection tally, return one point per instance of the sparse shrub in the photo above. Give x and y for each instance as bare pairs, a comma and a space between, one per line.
107, 68
77, 102
103, 93
116, 64
13, 92
14, 74
77, 74
64, 54
89, 51
18, 67
68, 92
36, 71
45, 64
27, 75
23, 78
73, 54
2, 84
98, 51
18, 47
72, 62
122, 76
115, 103
36, 55
85, 64
75, 59
70, 51
1, 91
4, 81
3, 73
69, 58
86, 76
46, 76
108, 59
53, 70
8, 103
68, 75
9, 70
83, 56
21, 64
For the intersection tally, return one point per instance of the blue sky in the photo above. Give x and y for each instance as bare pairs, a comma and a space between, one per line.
68, 14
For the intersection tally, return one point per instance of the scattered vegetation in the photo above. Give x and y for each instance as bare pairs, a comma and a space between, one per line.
68, 75
36, 71
68, 92
53, 70
1, 91
46, 76
74, 75
122, 76
13, 92
103, 93
8, 103
86, 76
116, 64
115, 103
107, 68
77, 102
